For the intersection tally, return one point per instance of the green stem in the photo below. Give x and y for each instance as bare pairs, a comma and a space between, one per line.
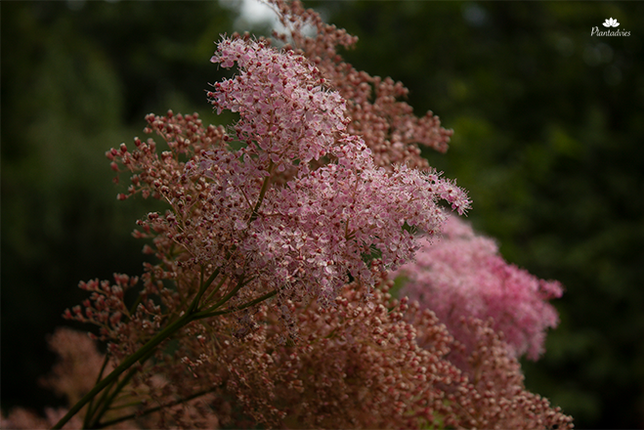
210, 313
89, 414
214, 290
262, 193
156, 408
126, 364
224, 299
258, 300
202, 289
90, 406
106, 403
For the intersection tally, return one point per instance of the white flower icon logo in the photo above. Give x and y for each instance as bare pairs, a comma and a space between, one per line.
611, 22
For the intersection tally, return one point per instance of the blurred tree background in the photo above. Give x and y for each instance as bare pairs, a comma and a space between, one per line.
549, 127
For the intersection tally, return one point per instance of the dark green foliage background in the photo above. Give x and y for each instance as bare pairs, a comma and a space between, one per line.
549, 128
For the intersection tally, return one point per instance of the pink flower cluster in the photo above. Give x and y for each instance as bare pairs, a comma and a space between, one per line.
306, 235
463, 275
285, 112
385, 122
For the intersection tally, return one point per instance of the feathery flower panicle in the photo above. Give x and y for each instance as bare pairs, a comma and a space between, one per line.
283, 106
387, 124
231, 218
305, 236
463, 275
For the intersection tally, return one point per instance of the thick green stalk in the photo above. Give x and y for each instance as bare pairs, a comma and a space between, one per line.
106, 403
90, 407
126, 364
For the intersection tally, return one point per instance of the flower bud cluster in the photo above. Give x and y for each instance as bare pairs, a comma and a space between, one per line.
360, 364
